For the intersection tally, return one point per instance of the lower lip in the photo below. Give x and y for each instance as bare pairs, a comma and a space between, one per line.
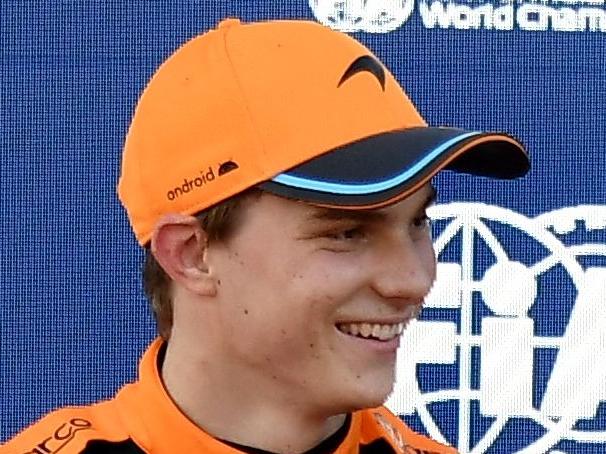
388, 346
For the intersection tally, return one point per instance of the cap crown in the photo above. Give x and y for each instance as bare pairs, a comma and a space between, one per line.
240, 104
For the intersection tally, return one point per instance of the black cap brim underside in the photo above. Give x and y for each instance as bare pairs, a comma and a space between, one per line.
384, 168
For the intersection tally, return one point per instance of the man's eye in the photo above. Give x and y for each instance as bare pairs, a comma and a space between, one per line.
347, 234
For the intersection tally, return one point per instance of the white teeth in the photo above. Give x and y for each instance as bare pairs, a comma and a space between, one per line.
375, 330
386, 332
365, 329
400, 328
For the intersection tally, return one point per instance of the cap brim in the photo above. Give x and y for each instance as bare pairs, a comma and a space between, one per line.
382, 169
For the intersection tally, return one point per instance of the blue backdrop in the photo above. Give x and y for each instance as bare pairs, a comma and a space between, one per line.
73, 321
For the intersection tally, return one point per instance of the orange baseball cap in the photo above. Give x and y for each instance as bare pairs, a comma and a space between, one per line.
295, 108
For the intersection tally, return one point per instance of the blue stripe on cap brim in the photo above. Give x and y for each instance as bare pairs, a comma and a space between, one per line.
380, 168
369, 188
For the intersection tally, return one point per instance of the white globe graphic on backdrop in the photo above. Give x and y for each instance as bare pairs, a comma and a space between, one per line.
507, 288
371, 16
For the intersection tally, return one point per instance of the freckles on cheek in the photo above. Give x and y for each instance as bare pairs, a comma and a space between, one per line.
236, 259
299, 341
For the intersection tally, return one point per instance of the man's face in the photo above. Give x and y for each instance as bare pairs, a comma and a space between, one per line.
310, 300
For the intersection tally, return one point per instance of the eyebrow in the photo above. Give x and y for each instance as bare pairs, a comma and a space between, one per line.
335, 214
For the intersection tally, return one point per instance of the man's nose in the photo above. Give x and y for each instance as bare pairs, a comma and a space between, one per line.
405, 271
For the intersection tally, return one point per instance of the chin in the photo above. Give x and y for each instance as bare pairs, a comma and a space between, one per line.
373, 401
369, 395
352, 390
376, 388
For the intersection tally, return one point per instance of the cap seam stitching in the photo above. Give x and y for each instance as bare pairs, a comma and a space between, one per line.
242, 92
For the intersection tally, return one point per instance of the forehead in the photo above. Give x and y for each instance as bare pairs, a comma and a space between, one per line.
269, 215
279, 210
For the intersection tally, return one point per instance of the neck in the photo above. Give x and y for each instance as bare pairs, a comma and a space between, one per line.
214, 396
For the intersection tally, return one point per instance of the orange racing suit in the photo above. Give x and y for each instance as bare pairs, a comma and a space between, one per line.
142, 418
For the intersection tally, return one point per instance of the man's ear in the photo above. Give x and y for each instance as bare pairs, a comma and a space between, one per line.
179, 245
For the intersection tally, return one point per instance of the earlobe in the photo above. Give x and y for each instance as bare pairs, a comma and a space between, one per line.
179, 245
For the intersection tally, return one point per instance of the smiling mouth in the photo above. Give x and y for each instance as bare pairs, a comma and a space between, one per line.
374, 331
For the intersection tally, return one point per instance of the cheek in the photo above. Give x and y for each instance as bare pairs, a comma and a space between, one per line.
287, 306
264, 297
329, 280
277, 277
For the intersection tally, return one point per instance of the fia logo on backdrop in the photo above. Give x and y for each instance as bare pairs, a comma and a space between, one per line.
383, 16
508, 355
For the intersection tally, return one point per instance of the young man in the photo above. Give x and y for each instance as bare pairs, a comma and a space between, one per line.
279, 177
